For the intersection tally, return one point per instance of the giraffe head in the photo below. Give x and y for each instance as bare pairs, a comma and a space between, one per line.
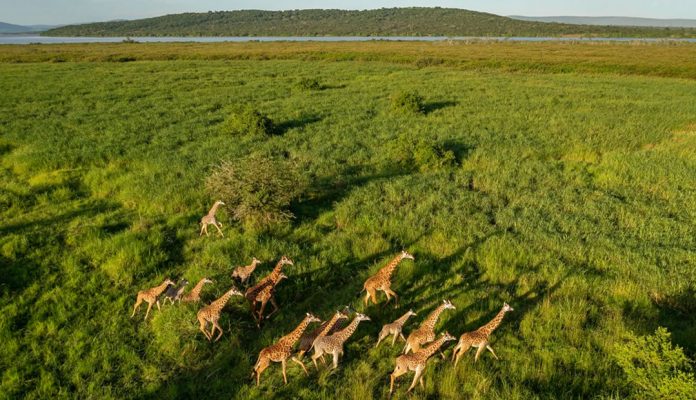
346, 311
234, 292
405, 254
311, 318
285, 260
341, 314
281, 277
448, 305
219, 203
447, 337
506, 307
168, 282
206, 280
361, 317
183, 282
411, 313
255, 261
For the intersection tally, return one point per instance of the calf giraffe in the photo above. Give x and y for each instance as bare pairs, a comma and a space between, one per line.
333, 344
265, 295
173, 293
426, 331
209, 219
416, 362
194, 295
479, 337
282, 350
243, 273
252, 293
150, 296
328, 327
395, 328
382, 280
211, 313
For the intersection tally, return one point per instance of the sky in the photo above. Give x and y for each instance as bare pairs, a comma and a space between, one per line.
31, 12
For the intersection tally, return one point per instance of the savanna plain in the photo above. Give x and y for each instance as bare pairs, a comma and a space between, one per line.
557, 177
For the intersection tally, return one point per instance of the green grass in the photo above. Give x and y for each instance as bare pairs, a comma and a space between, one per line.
571, 198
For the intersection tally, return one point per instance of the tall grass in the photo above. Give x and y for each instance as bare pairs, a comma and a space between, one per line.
570, 196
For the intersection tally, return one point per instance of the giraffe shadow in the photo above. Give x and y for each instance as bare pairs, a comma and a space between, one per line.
298, 123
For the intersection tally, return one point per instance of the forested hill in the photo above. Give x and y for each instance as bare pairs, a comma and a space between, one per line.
382, 22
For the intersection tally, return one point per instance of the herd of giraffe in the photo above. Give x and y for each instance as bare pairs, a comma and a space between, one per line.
330, 337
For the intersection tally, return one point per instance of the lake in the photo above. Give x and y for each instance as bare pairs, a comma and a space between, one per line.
28, 39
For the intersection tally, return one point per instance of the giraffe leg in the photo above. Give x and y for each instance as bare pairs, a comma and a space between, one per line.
386, 293
158, 306
202, 322
462, 349
219, 230
492, 352
398, 371
317, 353
401, 335
335, 359
294, 359
396, 296
138, 301
382, 334
419, 371
149, 306
218, 328
205, 229
260, 367
275, 307
421, 381
456, 349
479, 351
285, 377
202, 229
367, 297
260, 313
396, 334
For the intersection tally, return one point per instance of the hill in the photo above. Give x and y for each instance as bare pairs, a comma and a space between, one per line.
415, 21
614, 21
12, 28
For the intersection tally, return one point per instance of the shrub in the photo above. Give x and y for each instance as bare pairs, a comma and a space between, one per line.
309, 84
248, 121
654, 368
258, 190
407, 103
421, 155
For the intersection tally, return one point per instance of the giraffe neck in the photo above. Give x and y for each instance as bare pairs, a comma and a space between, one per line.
329, 325
275, 274
344, 334
388, 270
493, 324
429, 323
403, 319
197, 289
294, 336
433, 347
161, 288
213, 209
220, 303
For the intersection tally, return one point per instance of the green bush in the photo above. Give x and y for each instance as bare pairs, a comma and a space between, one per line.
421, 155
258, 190
248, 121
309, 84
654, 368
407, 103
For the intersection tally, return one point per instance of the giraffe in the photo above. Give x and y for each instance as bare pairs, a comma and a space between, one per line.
209, 219
333, 344
243, 273
211, 313
426, 331
328, 327
194, 295
282, 350
416, 362
252, 293
150, 296
395, 328
173, 293
479, 337
382, 280
265, 295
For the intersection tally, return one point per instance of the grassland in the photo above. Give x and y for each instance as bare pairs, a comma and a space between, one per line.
572, 199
